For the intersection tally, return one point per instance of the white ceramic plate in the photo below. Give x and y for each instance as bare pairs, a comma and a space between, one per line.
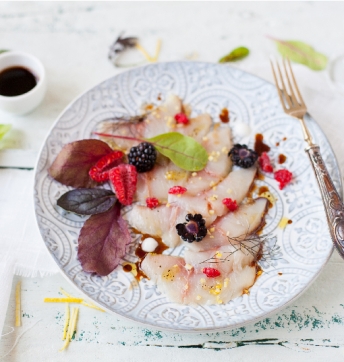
302, 248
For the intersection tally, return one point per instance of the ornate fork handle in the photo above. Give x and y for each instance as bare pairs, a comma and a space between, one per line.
333, 205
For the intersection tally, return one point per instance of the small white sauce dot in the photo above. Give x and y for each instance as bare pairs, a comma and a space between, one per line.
242, 129
149, 245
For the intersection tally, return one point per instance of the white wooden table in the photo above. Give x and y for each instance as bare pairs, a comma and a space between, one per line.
72, 40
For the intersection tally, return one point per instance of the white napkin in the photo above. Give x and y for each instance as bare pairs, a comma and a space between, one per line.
22, 251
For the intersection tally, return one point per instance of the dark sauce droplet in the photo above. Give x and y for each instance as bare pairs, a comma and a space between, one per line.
290, 221
15, 81
281, 158
127, 268
259, 145
224, 115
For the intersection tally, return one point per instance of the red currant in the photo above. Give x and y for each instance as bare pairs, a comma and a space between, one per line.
211, 272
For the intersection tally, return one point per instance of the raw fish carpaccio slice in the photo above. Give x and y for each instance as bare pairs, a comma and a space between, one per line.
226, 252
183, 280
161, 221
224, 248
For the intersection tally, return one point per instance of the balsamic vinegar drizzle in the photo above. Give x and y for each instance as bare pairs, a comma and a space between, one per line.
15, 81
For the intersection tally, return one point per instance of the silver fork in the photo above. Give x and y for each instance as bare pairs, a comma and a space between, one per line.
294, 105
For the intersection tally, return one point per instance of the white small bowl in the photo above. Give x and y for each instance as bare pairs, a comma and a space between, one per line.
28, 101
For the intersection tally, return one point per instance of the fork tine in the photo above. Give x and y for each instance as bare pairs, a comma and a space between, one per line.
277, 86
301, 101
284, 88
291, 90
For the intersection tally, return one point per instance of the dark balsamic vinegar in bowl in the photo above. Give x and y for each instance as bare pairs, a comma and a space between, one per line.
15, 81
23, 82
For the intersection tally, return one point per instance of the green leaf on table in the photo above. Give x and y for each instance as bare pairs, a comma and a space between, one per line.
234, 55
4, 128
3, 50
182, 150
300, 52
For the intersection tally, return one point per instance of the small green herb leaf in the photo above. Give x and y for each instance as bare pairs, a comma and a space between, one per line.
302, 53
4, 128
3, 50
182, 150
87, 201
234, 55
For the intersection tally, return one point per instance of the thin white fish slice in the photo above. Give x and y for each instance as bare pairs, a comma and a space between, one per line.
209, 204
217, 143
158, 222
187, 284
238, 224
169, 273
235, 186
220, 290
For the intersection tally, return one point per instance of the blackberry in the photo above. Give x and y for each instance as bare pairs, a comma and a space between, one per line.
143, 157
242, 156
193, 229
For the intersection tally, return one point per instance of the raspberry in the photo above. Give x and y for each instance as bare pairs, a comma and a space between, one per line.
264, 162
211, 272
124, 179
152, 202
100, 171
143, 157
231, 204
193, 229
283, 177
179, 190
181, 118
97, 176
242, 156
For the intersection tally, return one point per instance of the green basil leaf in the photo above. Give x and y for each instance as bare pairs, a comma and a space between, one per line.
234, 55
87, 201
302, 53
4, 128
182, 150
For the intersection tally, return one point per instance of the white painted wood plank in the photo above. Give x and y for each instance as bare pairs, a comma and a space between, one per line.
13, 158
310, 328
72, 40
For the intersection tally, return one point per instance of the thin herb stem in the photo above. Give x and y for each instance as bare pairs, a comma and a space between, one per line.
246, 244
157, 50
120, 137
156, 144
144, 52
